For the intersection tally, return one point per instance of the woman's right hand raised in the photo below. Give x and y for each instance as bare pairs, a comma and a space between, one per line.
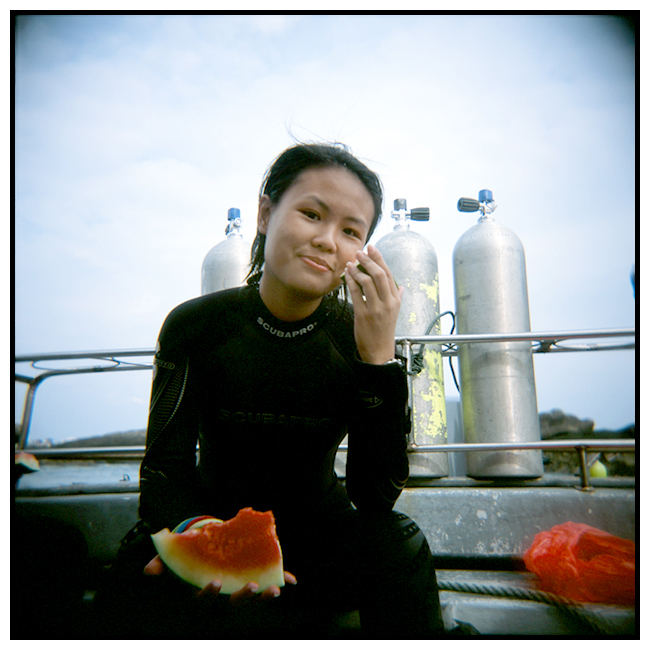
247, 594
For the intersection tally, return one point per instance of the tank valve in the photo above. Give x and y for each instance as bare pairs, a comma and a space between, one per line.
402, 215
485, 203
234, 221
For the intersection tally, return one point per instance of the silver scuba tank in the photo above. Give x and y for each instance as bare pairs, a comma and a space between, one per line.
497, 381
414, 264
226, 264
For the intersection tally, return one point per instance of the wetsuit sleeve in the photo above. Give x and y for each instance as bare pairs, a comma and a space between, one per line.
377, 464
168, 474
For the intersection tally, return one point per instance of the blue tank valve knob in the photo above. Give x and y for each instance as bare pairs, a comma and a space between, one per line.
485, 196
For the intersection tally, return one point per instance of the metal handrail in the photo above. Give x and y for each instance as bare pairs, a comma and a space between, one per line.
608, 444
34, 382
126, 452
547, 343
518, 336
93, 354
544, 338
136, 452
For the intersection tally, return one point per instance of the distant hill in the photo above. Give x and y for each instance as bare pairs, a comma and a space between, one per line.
119, 439
557, 425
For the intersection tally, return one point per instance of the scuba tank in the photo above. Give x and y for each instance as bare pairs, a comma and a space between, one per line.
414, 264
226, 264
497, 381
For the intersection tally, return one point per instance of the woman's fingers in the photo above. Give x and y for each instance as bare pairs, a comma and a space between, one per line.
289, 578
248, 593
377, 301
274, 591
374, 256
155, 568
373, 278
245, 595
211, 590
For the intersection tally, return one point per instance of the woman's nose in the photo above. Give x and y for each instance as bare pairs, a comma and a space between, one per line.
325, 239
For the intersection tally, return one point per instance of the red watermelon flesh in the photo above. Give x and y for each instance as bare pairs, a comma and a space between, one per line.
241, 550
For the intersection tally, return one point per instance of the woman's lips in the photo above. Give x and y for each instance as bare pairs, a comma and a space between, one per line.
316, 263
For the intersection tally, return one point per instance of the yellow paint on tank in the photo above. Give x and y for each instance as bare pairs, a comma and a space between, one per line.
432, 423
431, 289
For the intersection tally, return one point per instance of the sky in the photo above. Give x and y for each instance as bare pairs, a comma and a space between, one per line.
135, 134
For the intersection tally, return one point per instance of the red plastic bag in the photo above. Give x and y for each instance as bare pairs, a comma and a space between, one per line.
583, 563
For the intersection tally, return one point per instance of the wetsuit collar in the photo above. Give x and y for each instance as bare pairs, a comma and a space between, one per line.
283, 330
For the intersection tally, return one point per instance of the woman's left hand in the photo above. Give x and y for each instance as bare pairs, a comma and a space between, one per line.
377, 300
247, 594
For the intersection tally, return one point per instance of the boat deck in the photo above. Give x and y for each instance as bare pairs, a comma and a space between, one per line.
477, 532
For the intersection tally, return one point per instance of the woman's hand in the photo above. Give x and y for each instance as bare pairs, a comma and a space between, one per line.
377, 300
247, 594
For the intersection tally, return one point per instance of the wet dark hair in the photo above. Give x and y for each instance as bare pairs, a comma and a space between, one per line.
286, 168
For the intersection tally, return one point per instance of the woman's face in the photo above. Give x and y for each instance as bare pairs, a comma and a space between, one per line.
320, 222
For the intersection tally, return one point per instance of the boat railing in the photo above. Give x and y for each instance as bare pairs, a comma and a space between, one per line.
122, 361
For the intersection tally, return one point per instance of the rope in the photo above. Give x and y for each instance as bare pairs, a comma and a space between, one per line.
570, 608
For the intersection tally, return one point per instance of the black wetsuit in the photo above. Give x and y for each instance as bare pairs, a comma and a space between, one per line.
269, 403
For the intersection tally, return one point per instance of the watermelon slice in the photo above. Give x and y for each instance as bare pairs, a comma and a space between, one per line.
235, 552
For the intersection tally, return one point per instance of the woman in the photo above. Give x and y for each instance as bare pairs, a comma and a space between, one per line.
270, 378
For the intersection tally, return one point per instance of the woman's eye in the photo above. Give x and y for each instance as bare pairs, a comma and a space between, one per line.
352, 233
310, 215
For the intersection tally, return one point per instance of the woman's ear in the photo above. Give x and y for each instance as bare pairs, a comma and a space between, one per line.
263, 214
